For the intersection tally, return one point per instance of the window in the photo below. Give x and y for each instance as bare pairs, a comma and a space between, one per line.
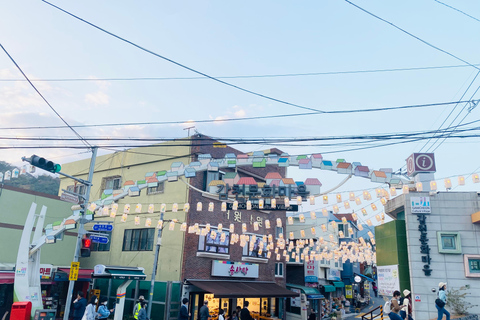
79, 188
278, 231
449, 242
472, 265
138, 239
214, 242
101, 246
279, 269
158, 189
253, 249
112, 183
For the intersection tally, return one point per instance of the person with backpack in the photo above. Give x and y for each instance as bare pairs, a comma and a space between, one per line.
407, 303
392, 307
441, 301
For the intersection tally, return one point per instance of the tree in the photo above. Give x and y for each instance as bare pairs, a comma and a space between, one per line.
42, 183
456, 300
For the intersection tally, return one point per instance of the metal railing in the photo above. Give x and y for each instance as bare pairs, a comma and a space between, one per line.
370, 316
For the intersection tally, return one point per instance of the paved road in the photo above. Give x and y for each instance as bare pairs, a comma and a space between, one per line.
374, 303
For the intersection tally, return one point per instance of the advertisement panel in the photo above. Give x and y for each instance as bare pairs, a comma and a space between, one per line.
311, 271
388, 280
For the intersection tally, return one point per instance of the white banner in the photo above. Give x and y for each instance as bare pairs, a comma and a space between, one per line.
388, 280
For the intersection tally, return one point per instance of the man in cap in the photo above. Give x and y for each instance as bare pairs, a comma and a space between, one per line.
138, 307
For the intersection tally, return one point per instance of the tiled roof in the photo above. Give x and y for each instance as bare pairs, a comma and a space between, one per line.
230, 156
261, 184
216, 183
281, 160
312, 182
242, 156
230, 175
247, 181
379, 174
288, 181
327, 163
205, 156
347, 216
152, 179
273, 175
129, 183
344, 165
304, 161
363, 168
177, 164
275, 182
317, 156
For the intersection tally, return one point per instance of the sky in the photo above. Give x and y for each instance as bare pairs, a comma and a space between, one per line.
232, 38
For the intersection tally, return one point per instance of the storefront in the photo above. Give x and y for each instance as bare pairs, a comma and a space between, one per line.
59, 289
308, 301
266, 299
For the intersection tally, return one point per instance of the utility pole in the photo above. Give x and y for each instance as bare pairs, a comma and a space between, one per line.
154, 270
81, 230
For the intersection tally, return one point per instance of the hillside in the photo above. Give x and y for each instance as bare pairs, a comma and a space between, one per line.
42, 183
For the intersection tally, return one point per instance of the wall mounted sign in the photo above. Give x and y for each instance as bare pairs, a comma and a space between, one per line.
424, 247
311, 271
333, 274
420, 162
388, 280
234, 269
420, 205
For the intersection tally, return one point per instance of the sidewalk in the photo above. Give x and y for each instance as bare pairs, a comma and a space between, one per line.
374, 303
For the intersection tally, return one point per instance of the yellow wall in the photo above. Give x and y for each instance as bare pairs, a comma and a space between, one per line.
133, 165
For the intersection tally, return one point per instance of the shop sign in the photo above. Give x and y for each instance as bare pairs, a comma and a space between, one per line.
46, 271
333, 274
267, 207
388, 280
241, 192
420, 205
420, 162
297, 301
311, 271
234, 269
348, 291
357, 279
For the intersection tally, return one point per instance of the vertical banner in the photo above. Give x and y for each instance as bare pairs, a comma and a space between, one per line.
388, 280
348, 291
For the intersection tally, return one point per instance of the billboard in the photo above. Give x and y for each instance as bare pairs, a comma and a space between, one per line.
388, 280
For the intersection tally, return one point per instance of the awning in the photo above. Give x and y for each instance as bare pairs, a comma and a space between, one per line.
82, 273
329, 288
339, 284
311, 293
245, 289
365, 277
7, 277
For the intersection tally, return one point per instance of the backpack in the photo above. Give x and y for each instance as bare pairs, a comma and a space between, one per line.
400, 302
387, 307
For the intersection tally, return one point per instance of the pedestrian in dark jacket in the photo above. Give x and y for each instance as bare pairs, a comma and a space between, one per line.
245, 313
142, 314
184, 315
79, 306
204, 312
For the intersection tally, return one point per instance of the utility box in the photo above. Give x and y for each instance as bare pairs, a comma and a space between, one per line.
21, 310
45, 314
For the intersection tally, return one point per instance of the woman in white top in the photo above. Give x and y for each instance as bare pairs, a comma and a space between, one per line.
220, 314
90, 313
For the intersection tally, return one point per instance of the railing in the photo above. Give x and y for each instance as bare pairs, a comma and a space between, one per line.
365, 316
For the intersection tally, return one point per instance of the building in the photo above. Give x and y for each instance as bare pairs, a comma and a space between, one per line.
434, 238
55, 258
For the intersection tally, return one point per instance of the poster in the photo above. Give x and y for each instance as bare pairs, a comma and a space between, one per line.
296, 302
388, 280
348, 292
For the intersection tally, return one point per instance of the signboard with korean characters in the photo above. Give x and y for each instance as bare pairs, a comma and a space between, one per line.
311, 271
388, 280
333, 274
234, 269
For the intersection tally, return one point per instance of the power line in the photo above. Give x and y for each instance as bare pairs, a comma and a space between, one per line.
35, 88
245, 118
412, 35
241, 76
182, 65
458, 10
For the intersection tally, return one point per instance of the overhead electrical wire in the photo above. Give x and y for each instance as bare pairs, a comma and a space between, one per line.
245, 118
458, 10
44, 99
412, 35
242, 76
182, 65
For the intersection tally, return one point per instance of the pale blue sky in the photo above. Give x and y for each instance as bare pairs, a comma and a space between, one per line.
224, 38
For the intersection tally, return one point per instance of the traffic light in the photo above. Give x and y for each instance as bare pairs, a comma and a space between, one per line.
85, 250
43, 163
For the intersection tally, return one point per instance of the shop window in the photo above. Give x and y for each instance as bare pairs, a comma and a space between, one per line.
252, 249
112, 183
101, 246
155, 190
214, 242
138, 239
449, 242
279, 269
472, 265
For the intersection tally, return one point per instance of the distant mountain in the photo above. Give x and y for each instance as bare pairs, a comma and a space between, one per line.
42, 183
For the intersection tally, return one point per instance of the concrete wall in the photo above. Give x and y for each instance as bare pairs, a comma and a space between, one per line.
133, 164
14, 207
451, 211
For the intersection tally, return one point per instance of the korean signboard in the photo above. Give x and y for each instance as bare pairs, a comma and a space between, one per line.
311, 271
388, 280
333, 274
234, 269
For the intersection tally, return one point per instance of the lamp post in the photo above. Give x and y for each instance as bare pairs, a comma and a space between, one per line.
154, 270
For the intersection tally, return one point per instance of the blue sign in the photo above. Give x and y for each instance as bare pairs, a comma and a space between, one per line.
102, 227
99, 239
311, 279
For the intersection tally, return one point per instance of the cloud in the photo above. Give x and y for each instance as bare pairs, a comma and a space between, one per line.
240, 113
97, 98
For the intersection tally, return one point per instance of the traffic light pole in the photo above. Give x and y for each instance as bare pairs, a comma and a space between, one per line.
81, 231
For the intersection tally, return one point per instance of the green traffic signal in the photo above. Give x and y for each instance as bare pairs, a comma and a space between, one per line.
57, 168
43, 163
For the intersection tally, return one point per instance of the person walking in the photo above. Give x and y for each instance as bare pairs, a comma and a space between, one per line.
79, 306
90, 313
184, 315
142, 314
138, 306
204, 312
239, 310
220, 314
442, 296
103, 311
312, 315
375, 289
394, 306
406, 312
245, 313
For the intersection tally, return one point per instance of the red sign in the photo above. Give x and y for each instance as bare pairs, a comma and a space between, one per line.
420, 162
